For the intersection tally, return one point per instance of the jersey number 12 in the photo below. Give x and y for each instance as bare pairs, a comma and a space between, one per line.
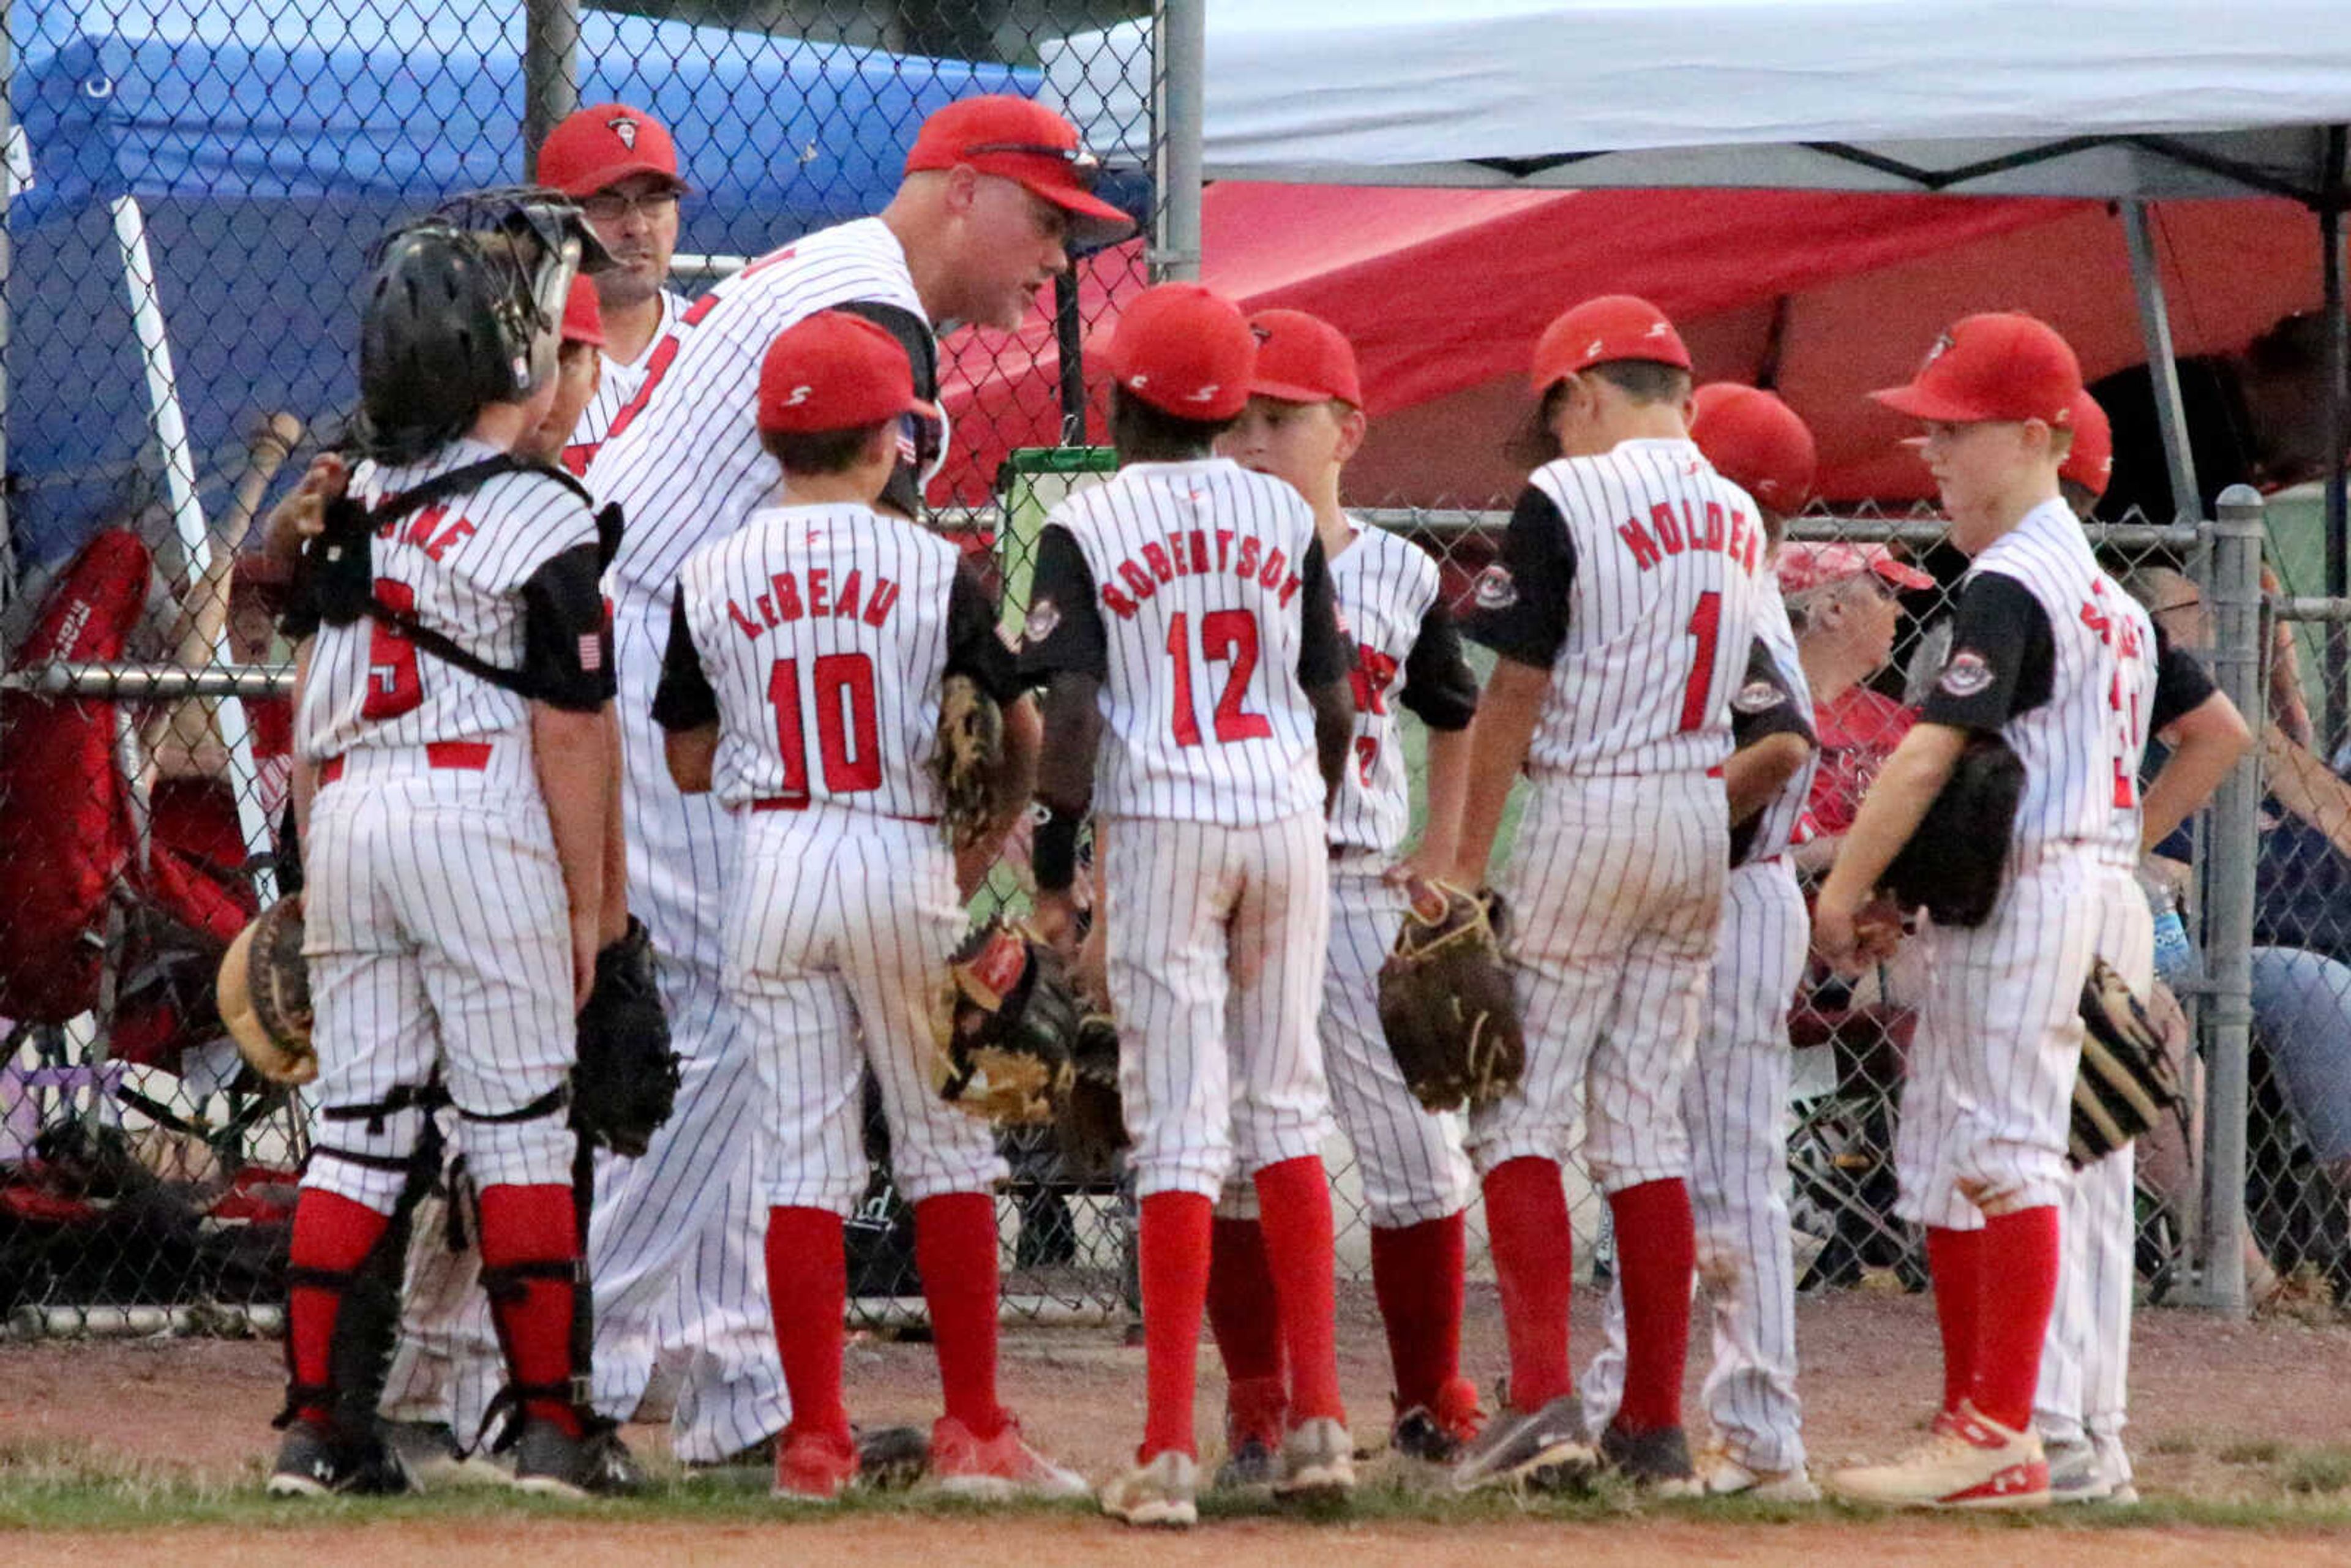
1227, 637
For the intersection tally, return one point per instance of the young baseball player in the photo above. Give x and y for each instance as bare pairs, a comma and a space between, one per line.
996, 192
2050, 654
801, 686
2080, 1404
1735, 1098
454, 842
1304, 420
1181, 617
1622, 607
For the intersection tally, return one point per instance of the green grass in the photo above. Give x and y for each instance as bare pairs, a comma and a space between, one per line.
2318, 1472
2173, 1443
2258, 1451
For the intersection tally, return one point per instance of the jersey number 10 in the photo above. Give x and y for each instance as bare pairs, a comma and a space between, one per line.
1227, 637
847, 730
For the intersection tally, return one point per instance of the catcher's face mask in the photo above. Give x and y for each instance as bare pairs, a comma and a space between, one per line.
547, 243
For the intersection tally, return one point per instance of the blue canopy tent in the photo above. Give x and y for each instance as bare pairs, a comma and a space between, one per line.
266, 144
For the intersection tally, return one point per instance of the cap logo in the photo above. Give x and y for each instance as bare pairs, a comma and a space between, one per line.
1262, 334
1206, 394
1593, 349
622, 126
1657, 329
1138, 381
801, 394
1943, 345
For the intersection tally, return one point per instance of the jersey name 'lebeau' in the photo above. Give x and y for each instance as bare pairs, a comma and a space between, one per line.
815, 595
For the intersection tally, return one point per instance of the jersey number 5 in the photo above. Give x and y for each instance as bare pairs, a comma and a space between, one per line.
848, 733
393, 686
1227, 637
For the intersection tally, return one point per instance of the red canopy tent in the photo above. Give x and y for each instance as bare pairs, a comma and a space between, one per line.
1832, 293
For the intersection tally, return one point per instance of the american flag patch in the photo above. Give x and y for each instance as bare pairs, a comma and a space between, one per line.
592, 652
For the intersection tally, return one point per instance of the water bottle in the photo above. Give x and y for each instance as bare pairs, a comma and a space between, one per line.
2175, 955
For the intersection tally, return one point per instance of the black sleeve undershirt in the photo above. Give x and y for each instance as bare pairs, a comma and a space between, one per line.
2003, 657
1065, 626
1324, 655
1520, 607
2181, 685
974, 648
1438, 684
567, 636
684, 700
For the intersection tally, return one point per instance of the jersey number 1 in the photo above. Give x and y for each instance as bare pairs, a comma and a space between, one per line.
844, 704
1698, 697
1227, 637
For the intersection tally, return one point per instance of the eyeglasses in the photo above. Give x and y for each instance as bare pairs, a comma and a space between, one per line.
1084, 167
2176, 604
611, 207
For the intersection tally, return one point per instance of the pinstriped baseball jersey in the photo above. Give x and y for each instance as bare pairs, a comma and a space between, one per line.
1776, 826
1662, 558
1385, 588
824, 631
682, 457
1198, 571
618, 387
460, 567
2078, 712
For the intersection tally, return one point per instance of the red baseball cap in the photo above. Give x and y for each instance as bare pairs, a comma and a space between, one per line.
2091, 463
2002, 366
583, 318
835, 370
1184, 350
1809, 565
590, 149
1020, 138
1302, 359
1757, 442
1612, 327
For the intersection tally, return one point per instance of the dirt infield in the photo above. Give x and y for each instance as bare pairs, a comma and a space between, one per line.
162, 1444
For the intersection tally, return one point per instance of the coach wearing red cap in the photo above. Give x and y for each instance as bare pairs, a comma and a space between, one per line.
1196, 702
621, 165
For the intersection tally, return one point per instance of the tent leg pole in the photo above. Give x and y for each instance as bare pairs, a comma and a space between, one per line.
2163, 369
550, 71
2338, 540
8, 258
1178, 67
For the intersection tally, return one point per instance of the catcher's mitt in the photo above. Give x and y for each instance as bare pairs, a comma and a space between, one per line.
1004, 1031
969, 750
2126, 1083
1952, 864
263, 991
1446, 1003
624, 1084
1091, 1115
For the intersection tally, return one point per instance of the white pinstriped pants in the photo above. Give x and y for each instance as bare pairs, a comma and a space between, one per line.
1216, 947
1614, 889
1735, 1106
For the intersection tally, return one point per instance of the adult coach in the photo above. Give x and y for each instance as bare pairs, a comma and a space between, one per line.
1623, 608
995, 194
2052, 655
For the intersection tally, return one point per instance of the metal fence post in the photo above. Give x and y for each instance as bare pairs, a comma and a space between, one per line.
550, 71
1179, 68
2228, 1013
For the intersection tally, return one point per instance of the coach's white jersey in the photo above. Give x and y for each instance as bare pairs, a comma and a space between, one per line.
685, 465
2081, 748
1197, 569
621, 380
823, 631
1776, 826
459, 567
1384, 585
1668, 561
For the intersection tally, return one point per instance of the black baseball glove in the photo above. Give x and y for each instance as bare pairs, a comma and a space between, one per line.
1954, 863
1446, 1004
1091, 1117
1004, 1027
624, 1084
2126, 1083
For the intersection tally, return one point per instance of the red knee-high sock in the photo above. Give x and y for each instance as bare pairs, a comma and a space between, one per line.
535, 1224
1955, 1262
1534, 1264
1174, 1246
1416, 1274
954, 1248
333, 1235
808, 1291
1294, 1198
1243, 1316
2020, 1288
1656, 1251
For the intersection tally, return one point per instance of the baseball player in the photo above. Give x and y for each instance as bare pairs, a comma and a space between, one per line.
996, 192
802, 686
1622, 607
453, 835
2079, 1405
1181, 617
2049, 652
1735, 1099
1304, 420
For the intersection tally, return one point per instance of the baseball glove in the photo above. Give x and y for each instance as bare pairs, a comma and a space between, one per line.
624, 1083
1004, 1031
969, 750
2126, 1083
1446, 1003
1953, 863
263, 991
1092, 1117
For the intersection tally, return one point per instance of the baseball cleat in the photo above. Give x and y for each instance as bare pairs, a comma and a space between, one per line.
1970, 1462
1257, 1409
1164, 1491
1251, 1463
1441, 1435
1318, 1458
314, 1461
1726, 1477
1541, 1445
430, 1453
1000, 1467
551, 1462
1657, 1462
813, 1466
2089, 1469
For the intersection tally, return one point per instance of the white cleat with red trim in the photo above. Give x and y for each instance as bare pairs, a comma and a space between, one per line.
1970, 1462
